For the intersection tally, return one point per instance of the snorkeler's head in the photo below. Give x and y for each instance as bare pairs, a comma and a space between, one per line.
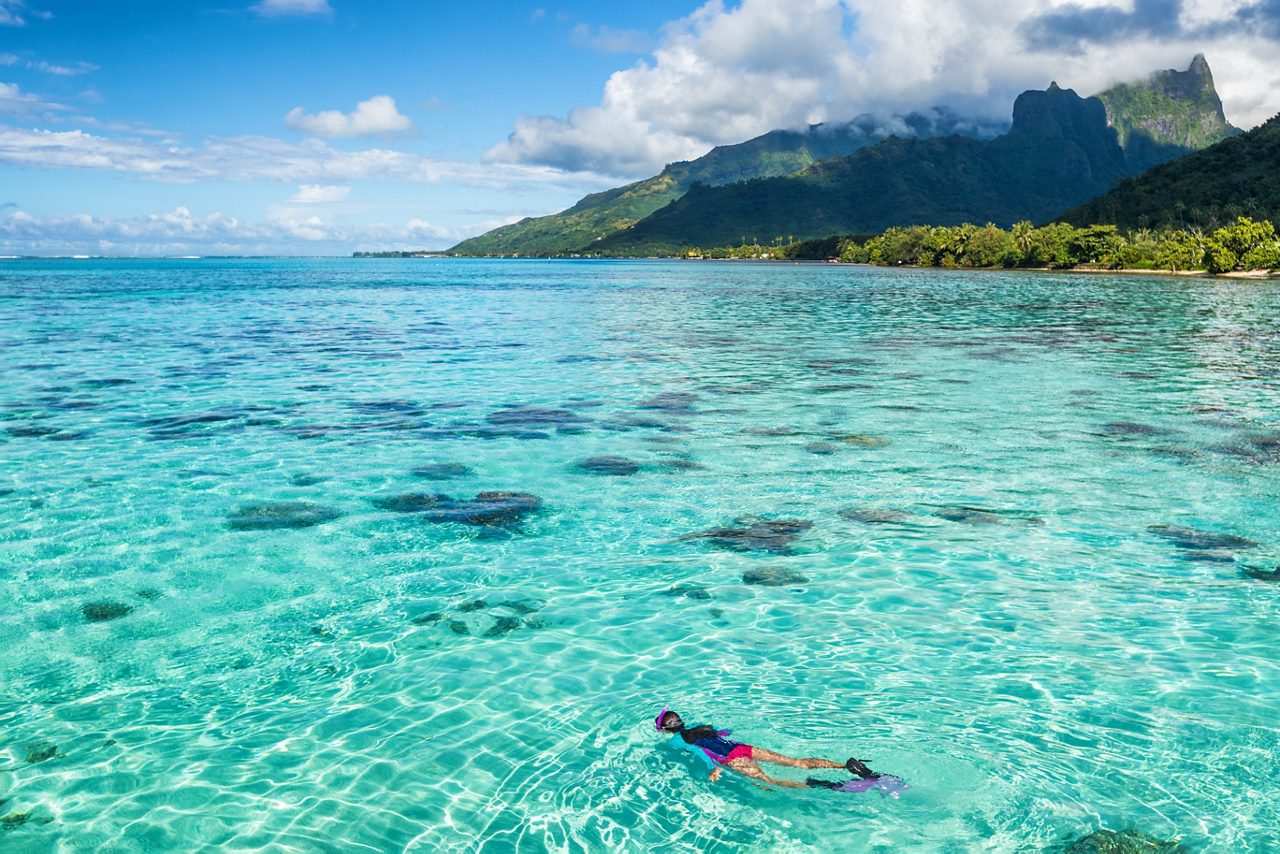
668, 721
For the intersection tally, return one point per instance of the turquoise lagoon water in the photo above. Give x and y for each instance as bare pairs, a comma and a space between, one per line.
981, 604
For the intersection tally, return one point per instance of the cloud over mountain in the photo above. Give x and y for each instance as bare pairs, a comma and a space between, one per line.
729, 72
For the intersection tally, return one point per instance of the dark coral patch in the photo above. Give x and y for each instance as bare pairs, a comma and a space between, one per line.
1122, 842
103, 612
532, 416
443, 471
1192, 539
750, 533
610, 466
281, 515
493, 509
773, 576
671, 401
41, 752
981, 516
875, 516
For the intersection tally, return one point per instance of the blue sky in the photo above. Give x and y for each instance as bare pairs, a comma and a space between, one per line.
323, 126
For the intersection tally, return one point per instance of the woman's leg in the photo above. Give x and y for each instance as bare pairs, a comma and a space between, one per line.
761, 755
748, 768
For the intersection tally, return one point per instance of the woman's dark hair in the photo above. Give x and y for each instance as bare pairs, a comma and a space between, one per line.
692, 735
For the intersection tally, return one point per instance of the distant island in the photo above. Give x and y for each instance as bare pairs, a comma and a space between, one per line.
1146, 176
862, 177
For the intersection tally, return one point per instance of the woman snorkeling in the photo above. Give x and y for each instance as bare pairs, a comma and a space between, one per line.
714, 747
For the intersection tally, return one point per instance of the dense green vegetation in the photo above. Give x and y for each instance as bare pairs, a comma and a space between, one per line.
1237, 177
1245, 244
777, 153
1061, 151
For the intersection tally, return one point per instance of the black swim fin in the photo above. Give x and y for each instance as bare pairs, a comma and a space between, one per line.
858, 768
815, 783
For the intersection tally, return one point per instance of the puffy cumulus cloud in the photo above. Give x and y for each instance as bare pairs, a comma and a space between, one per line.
265, 159
314, 194
278, 8
181, 232
377, 116
727, 73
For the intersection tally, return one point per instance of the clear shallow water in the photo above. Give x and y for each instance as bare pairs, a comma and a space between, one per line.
1039, 665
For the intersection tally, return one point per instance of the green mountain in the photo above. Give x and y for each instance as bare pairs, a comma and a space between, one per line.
1061, 151
1167, 115
777, 153
1237, 177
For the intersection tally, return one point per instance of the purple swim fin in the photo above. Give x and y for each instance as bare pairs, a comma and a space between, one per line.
886, 784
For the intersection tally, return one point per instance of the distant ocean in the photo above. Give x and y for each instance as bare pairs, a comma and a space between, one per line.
370, 555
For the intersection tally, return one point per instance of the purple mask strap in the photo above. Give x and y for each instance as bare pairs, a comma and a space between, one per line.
657, 722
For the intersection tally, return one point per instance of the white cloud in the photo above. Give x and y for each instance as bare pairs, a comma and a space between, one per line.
610, 39
730, 72
181, 232
11, 13
68, 70
242, 159
313, 194
377, 116
8, 59
278, 8
13, 100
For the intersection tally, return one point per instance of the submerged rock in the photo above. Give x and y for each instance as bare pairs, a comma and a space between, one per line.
502, 626
754, 534
1131, 428
671, 401
1259, 574
492, 509
532, 416
861, 440
471, 606
688, 591
103, 612
610, 466
981, 516
1122, 842
428, 619
1192, 539
41, 752
522, 606
822, 449
276, 515
14, 820
874, 516
307, 479
411, 502
459, 628
773, 576
443, 471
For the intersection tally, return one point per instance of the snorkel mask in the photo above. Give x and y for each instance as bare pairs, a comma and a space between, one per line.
657, 722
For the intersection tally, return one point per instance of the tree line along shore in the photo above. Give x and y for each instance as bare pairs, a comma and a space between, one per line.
1243, 245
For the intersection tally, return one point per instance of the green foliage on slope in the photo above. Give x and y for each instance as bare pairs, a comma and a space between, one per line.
1167, 115
1059, 152
1237, 177
774, 154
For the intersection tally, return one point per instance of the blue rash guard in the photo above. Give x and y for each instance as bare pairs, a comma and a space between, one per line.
713, 750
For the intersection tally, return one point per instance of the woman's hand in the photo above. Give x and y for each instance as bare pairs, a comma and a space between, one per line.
715, 774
